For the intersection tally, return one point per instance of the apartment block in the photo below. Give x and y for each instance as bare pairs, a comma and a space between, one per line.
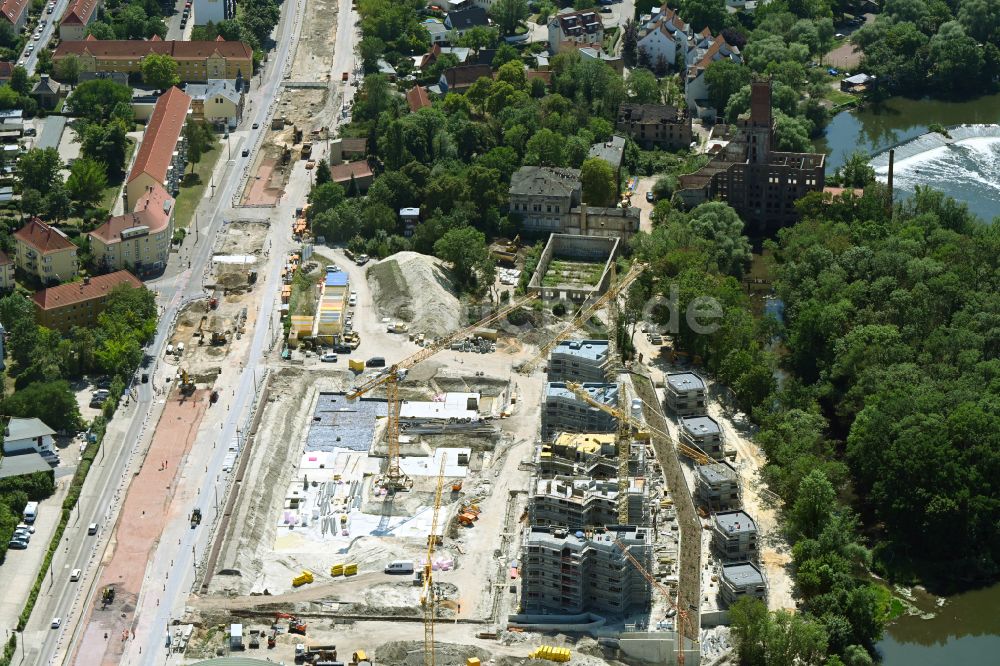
138, 241
740, 580
78, 17
78, 303
570, 30
45, 253
656, 125
562, 411
163, 152
196, 61
579, 361
6, 273
686, 393
578, 454
734, 536
717, 486
565, 571
580, 502
705, 433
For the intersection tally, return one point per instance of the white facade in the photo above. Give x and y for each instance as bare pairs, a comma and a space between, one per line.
24, 435
665, 36
208, 10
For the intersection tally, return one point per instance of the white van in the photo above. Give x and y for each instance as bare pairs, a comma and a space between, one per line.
400, 567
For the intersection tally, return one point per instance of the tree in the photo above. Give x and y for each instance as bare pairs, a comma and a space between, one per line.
981, 19
57, 202
725, 78
19, 81
32, 203
67, 70
545, 148
39, 168
513, 73
323, 172
465, 249
324, 197
200, 140
702, 13
630, 40
94, 100
159, 71
856, 171
86, 182
721, 230
598, 182
53, 402
956, 60
107, 144
643, 88
814, 505
775, 639
509, 13
791, 134
479, 37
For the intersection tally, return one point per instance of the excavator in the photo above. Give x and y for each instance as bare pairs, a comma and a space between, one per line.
295, 625
187, 386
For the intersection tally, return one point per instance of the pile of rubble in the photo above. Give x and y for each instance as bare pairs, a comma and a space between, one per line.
475, 345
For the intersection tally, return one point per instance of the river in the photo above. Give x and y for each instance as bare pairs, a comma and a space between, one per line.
966, 628
967, 168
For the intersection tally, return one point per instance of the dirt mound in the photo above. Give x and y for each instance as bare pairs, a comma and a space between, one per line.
416, 289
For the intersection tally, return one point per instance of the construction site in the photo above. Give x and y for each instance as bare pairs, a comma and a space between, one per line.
438, 508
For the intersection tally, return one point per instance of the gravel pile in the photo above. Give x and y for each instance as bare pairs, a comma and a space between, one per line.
416, 289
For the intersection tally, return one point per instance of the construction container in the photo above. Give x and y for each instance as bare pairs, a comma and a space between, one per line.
350, 569
337, 570
302, 579
472, 661
550, 653
356, 365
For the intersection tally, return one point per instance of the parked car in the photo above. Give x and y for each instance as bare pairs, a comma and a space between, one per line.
341, 349
17, 544
650, 197
375, 362
30, 528
328, 357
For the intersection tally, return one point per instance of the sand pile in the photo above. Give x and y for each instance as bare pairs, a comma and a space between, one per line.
415, 288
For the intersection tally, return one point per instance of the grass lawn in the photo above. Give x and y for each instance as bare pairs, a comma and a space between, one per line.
562, 272
838, 98
190, 195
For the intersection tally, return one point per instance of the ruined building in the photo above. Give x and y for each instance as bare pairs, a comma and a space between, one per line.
762, 184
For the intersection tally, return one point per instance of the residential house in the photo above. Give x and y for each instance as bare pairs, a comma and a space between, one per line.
461, 54
707, 49
656, 125
138, 241
78, 303
196, 61
144, 103
359, 174
45, 253
579, 502
27, 435
6, 273
218, 102
417, 98
760, 183
743, 579
664, 39
572, 30
459, 79
463, 20
163, 152
410, 217
611, 151
615, 62
15, 12
717, 486
703, 433
78, 17
685, 393
385, 68
579, 361
734, 536
437, 30
46, 92
205, 11
858, 83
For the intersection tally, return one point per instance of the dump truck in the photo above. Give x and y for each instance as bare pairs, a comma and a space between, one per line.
195, 518
307, 149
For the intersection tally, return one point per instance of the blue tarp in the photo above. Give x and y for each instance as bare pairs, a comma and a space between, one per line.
338, 279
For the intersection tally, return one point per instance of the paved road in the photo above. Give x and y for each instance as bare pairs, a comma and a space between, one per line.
51, 25
104, 486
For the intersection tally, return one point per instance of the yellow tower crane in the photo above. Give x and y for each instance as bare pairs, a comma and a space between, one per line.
633, 273
682, 614
689, 450
395, 479
427, 593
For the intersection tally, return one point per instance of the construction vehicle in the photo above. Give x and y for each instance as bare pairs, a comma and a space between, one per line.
583, 315
307, 149
218, 339
272, 639
506, 252
427, 598
689, 450
187, 386
295, 625
394, 478
358, 657
108, 596
356, 365
214, 397
296, 134
195, 518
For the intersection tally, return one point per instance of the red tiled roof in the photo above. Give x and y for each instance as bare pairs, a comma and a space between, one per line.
464, 76
79, 12
79, 292
151, 210
341, 173
42, 238
417, 98
12, 9
156, 38
162, 132
126, 49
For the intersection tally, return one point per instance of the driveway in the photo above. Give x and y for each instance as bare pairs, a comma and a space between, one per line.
639, 201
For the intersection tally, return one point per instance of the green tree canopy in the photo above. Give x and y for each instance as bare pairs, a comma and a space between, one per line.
39, 168
159, 71
598, 182
94, 100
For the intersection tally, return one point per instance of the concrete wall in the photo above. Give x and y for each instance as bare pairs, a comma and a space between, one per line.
579, 248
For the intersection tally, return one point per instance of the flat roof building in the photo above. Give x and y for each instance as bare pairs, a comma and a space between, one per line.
576, 502
734, 536
573, 571
686, 393
705, 433
562, 411
740, 580
579, 361
579, 454
717, 486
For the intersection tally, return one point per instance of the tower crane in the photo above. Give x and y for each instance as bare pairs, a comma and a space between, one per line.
427, 593
395, 479
633, 273
689, 450
682, 614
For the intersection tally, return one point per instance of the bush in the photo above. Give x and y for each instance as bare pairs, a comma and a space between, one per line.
559, 309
